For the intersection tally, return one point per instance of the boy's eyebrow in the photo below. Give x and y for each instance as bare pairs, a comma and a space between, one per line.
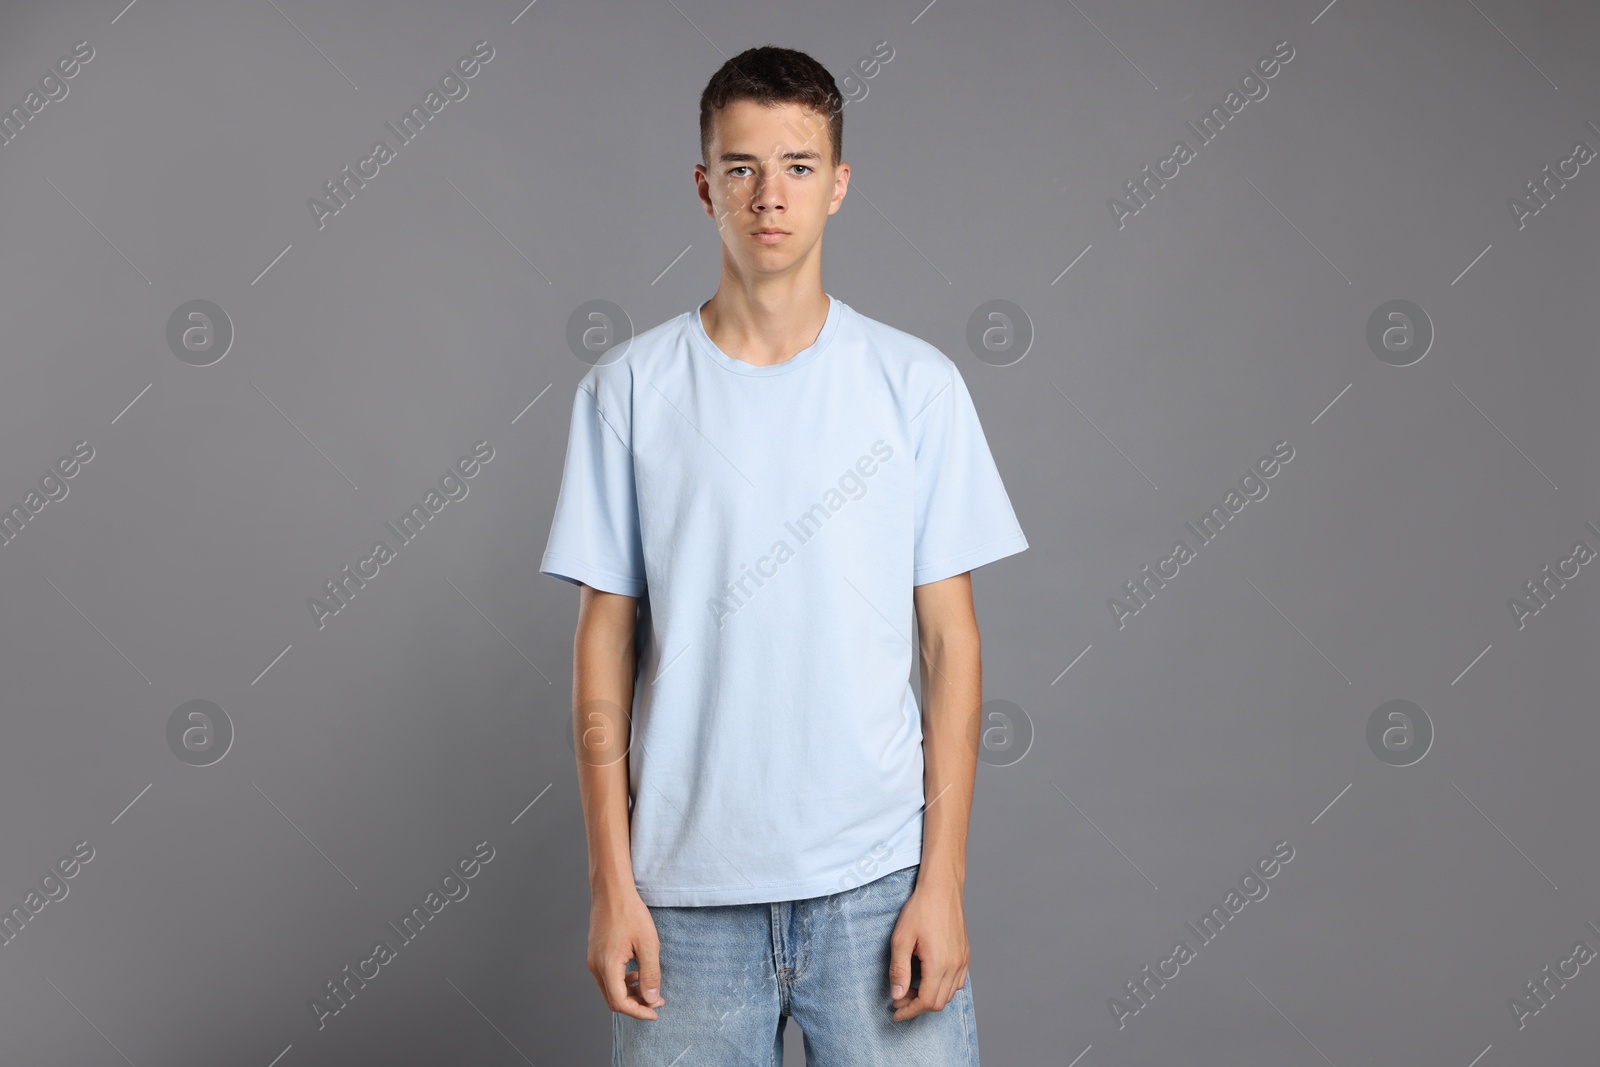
746, 157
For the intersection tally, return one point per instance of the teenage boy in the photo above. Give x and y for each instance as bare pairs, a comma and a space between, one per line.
757, 496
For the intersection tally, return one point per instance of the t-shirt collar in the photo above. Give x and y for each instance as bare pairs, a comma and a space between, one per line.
702, 341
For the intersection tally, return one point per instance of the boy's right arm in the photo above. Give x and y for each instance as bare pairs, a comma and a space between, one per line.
620, 925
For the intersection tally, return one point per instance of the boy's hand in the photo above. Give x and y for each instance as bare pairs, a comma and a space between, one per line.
620, 929
932, 927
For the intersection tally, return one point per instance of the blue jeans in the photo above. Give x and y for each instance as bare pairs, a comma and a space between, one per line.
732, 975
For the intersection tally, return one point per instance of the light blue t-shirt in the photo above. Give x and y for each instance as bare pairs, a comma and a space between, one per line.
773, 520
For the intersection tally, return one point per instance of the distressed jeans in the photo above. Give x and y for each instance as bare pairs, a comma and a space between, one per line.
732, 976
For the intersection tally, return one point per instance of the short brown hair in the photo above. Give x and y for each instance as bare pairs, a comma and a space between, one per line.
771, 75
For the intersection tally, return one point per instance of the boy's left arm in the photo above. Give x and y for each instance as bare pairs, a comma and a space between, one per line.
932, 925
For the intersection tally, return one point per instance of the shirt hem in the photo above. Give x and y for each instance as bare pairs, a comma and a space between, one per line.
764, 893
971, 559
578, 572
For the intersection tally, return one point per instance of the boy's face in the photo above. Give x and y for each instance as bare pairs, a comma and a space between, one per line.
770, 169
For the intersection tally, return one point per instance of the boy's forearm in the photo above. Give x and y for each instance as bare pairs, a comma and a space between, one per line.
602, 698
952, 699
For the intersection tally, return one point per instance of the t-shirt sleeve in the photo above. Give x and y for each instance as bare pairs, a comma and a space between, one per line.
594, 537
964, 518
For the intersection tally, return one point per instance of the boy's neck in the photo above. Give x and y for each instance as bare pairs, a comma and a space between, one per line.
767, 326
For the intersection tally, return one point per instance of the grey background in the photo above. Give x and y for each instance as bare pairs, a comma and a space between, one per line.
1229, 315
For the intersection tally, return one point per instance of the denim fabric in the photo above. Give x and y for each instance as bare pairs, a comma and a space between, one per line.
732, 975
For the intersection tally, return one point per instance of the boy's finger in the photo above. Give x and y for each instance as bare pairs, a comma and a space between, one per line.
650, 975
900, 966
914, 1005
618, 998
